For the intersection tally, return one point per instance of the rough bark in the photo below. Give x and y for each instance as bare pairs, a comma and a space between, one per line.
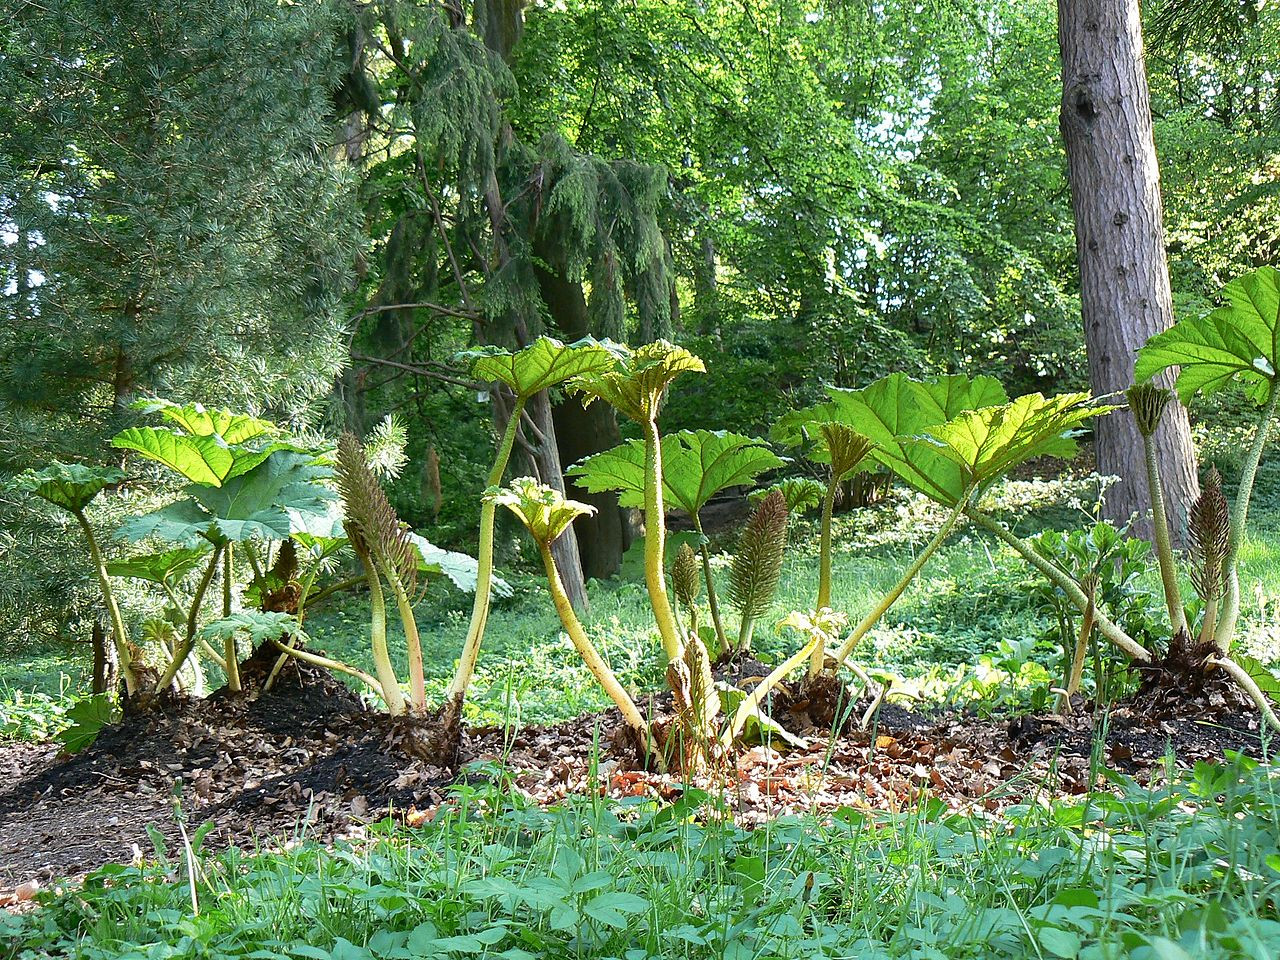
105, 672
545, 459
1124, 275
582, 431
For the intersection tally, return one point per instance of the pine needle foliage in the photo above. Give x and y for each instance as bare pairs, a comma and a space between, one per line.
757, 566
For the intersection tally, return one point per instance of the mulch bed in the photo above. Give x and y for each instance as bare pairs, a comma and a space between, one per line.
306, 760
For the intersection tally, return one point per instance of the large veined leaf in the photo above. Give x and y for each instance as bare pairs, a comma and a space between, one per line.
169, 566
985, 444
1239, 341
544, 363
696, 465
270, 502
634, 386
1267, 681
895, 409
260, 626
460, 568
68, 485
199, 421
201, 459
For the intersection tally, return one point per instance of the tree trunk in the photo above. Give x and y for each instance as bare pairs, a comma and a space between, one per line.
1124, 276
546, 463
582, 431
105, 673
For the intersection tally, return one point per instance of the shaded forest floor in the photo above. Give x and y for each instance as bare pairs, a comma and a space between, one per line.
317, 766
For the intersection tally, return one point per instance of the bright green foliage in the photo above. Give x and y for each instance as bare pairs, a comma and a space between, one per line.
1261, 674
459, 568
988, 443
269, 502
71, 486
1238, 342
258, 626
894, 410
86, 718
696, 465
801, 493
201, 459
199, 421
168, 567
636, 384
544, 511
544, 363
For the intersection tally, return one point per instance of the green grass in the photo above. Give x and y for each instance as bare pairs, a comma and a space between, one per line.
1188, 870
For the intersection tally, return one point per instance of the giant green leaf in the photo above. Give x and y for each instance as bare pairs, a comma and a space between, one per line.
197, 420
169, 566
269, 502
201, 459
696, 465
460, 568
635, 385
987, 443
1239, 341
544, 363
895, 409
68, 485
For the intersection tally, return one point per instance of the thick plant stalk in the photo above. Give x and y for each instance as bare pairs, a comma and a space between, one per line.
655, 533
1250, 687
484, 572
1105, 625
713, 604
818, 658
306, 656
751, 703
1076, 672
231, 661
193, 621
388, 683
417, 680
1225, 631
587, 650
824, 545
303, 595
890, 598
119, 636
1164, 545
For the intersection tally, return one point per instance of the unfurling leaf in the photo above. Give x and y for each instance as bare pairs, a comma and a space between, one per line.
542, 509
757, 566
800, 493
1147, 403
636, 384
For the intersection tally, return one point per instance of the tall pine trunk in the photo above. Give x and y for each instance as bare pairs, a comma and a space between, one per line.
1124, 275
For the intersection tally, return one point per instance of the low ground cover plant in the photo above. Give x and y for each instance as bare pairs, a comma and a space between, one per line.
1185, 869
